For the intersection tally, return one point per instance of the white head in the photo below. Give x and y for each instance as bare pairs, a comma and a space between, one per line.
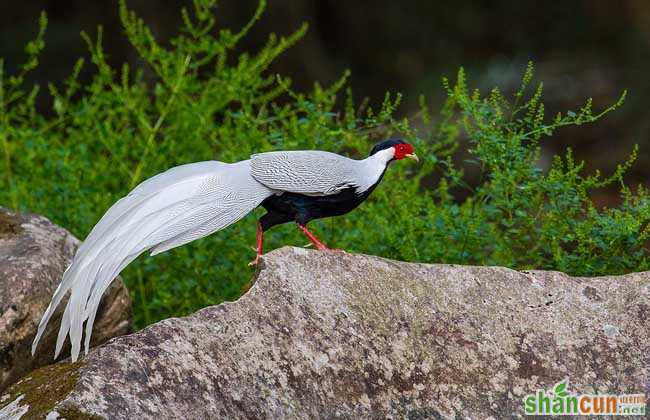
395, 149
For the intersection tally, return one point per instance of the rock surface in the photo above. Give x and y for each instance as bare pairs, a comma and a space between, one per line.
33, 255
334, 335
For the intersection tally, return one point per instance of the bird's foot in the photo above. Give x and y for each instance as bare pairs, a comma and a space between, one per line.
315, 242
256, 261
324, 248
321, 246
259, 248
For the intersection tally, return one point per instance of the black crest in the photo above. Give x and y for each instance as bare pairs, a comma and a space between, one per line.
385, 145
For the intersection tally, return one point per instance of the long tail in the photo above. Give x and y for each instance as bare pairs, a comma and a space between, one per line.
169, 210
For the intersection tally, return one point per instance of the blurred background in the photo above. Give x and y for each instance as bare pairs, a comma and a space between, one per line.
581, 48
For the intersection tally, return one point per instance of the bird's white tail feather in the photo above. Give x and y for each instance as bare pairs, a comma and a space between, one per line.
171, 209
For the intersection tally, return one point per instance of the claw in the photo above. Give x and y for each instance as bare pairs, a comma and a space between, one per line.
318, 244
255, 261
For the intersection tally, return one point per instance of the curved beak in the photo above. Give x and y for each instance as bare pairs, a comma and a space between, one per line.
412, 156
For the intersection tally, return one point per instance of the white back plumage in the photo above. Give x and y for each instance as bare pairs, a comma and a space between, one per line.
171, 209
316, 173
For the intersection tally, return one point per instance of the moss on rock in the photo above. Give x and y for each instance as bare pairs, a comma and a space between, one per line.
44, 388
9, 225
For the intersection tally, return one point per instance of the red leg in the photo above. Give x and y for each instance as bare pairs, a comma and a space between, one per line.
259, 237
314, 240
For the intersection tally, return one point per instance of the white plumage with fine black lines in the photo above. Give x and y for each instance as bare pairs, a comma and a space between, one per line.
192, 201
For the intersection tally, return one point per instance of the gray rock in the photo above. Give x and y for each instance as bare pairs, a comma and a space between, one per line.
33, 255
334, 335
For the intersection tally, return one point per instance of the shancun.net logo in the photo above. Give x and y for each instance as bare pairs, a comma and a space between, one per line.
559, 401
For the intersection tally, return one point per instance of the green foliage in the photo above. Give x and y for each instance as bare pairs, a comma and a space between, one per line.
198, 99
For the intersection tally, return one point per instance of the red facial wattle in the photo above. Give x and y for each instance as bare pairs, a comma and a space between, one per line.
403, 150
